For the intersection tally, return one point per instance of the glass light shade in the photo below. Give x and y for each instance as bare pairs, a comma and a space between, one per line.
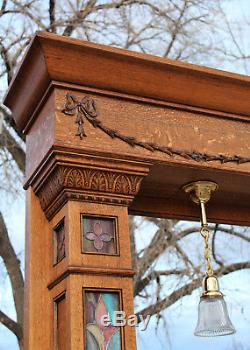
213, 318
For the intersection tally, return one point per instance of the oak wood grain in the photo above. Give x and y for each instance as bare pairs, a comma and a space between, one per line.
51, 57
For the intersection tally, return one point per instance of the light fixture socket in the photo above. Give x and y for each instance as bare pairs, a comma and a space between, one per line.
210, 287
213, 318
200, 191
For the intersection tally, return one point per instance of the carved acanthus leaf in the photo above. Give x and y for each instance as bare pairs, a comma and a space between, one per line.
75, 183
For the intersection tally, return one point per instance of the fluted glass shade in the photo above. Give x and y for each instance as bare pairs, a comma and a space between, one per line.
213, 318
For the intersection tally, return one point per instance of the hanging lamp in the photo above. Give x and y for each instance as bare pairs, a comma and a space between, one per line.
213, 318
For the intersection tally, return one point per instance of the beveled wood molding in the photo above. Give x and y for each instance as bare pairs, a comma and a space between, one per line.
108, 181
97, 271
111, 69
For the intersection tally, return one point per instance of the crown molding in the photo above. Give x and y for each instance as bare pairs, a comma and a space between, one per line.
50, 57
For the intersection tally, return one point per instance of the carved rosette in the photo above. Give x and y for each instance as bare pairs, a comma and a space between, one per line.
83, 184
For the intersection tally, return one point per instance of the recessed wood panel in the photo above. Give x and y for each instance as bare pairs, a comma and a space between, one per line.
60, 323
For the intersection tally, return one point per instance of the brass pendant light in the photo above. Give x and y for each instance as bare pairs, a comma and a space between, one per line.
213, 318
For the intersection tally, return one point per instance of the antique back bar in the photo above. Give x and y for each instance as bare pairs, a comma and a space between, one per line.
111, 132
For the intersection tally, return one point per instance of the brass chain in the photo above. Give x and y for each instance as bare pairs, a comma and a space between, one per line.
205, 234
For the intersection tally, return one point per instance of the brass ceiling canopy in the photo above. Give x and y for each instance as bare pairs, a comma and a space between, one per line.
200, 191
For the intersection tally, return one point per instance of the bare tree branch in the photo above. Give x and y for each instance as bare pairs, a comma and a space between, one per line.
158, 244
12, 265
10, 121
184, 257
79, 16
188, 289
190, 230
171, 299
11, 325
176, 29
3, 7
52, 7
6, 60
14, 148
143, 283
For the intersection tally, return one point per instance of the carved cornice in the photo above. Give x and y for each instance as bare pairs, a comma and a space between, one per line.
86, 109
76, 182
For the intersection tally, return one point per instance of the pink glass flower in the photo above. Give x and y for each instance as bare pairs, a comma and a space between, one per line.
98, 236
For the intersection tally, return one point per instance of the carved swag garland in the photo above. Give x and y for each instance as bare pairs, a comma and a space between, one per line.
86, 109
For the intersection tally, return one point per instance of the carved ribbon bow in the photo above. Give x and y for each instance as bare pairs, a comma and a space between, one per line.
84, 108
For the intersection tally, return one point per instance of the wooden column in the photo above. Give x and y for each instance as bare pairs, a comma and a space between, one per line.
78, 252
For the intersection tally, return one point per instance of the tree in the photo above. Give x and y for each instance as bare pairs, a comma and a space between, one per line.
197, 31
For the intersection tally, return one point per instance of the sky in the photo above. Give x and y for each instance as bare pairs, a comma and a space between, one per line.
180, 319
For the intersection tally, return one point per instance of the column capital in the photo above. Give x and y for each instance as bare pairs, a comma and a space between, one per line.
67, 176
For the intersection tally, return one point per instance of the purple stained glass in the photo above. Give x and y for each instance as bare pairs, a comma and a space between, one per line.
98, 335
59, 241
99, 235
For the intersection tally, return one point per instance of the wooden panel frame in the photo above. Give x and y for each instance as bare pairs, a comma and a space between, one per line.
79, 282
116, 237
100, 290
54, 238
55, 270
56, 300
79, 258
59, 290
